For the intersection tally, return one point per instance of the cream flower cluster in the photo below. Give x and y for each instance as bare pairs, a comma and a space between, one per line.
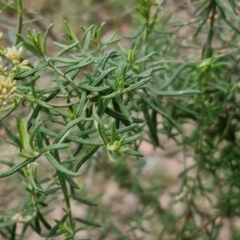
14, 55
7, 84
7, 88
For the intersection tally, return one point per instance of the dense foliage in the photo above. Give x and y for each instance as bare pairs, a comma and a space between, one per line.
104, 100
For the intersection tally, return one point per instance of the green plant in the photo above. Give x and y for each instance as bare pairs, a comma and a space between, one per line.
105, 100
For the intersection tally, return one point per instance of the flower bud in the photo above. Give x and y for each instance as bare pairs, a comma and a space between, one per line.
7, 88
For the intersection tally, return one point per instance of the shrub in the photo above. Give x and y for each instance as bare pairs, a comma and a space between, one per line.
103, 101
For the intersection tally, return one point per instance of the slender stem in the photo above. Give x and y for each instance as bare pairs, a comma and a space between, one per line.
147, 29
213, 6
60, 73
30, 98
20, 18
212, 18
66, 198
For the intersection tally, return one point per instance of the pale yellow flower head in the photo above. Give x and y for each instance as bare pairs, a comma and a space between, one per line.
13, 54
7, 88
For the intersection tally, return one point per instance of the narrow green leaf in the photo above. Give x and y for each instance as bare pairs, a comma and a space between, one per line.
48, 132
28, 46
227, 21
123, 129
37, 225
56, 227
43, 104
39, 45
80, 105
53, 147
103, 62
37, 124
101, 131
130, 152
86, 40
68, 127
175, 93
119, 116
16, 104
145, 58
30, 72
75, 138
93, 89
111, 95
10, 164
185, 109
12, 136
102, 105
84, 201
204, 18
82, 63
71, 32
45, 38
124, 110
131, 139
113, 84
151, 126
71, 182
43, 204
17, 167
103, 75
131, 88
25, 203
65, 60
43, 220
32, 20
85, 157
59, 82
62, 182
91, 142
44, 180
175, 75
137, 85
87, 222
65, 49
122, 70
59, 167
160, 111
144, 74
113, 133
36, 186
51, 190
